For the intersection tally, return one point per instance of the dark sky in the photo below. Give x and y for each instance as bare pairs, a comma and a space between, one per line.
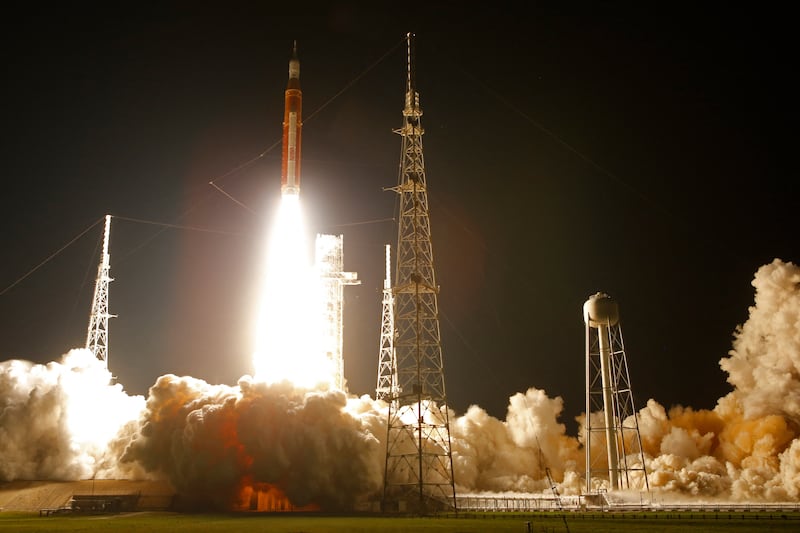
640, 151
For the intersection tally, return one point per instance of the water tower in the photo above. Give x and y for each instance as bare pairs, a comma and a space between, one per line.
611, 419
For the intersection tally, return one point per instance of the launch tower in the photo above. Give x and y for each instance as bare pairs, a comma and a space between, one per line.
611, 420
419, 462
329, 260
97, 335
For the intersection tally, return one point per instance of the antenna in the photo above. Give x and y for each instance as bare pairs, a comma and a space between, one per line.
410, 78
412, 97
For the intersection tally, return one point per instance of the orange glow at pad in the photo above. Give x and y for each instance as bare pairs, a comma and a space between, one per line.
267, 497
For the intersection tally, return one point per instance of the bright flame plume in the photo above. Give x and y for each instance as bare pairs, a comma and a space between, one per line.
288, 334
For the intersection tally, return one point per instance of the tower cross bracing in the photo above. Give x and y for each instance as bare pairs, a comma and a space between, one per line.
387, 371
97, 334
611, 419
419, 463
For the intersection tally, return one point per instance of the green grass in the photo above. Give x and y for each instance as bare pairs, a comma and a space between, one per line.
478, 522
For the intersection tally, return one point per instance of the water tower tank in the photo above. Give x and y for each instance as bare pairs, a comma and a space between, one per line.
600, 310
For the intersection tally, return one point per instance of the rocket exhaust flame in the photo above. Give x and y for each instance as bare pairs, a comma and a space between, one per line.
288, 329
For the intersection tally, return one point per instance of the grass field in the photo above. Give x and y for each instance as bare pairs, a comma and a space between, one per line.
483, 522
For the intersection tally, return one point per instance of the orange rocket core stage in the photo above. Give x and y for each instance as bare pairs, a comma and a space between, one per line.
292, 129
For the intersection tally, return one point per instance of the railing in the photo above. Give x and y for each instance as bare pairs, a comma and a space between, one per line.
573, 504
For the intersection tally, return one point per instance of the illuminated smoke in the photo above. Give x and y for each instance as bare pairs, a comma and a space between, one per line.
216, 443
764, 364
257, 443
56, 420
746, 447
490, 455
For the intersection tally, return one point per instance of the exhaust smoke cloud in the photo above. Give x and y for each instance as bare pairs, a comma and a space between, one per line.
251, 445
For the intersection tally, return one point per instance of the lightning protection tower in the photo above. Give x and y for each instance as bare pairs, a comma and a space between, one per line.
97, 335
387, 371
418, 475
611, 419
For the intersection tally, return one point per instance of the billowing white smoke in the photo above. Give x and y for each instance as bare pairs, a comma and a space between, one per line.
494, 456
56, 420
746, 447
764, 364
218, 444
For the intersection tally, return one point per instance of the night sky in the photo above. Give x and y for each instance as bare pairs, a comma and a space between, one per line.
643, 152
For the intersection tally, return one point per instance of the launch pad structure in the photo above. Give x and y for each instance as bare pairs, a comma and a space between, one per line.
418, 474
329, 262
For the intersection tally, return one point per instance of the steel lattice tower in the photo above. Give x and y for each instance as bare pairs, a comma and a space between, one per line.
611, 420
97, 335
329, 260
387, 369
419, 461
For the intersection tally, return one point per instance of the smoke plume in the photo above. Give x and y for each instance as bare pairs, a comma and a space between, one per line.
256, 445
217, 443
56, 420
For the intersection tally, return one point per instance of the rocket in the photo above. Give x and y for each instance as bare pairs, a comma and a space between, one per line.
292, 129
